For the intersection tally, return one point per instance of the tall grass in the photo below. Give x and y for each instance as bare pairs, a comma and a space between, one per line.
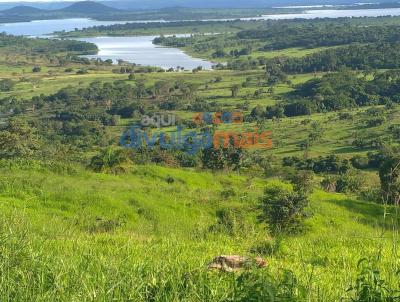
139, 237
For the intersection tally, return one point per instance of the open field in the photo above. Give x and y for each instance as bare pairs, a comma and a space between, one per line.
84, 236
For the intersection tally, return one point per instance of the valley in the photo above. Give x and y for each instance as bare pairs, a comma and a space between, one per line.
86, 218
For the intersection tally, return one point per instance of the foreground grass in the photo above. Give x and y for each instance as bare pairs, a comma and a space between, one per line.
72, 235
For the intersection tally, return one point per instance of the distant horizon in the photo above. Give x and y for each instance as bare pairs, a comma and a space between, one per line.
305, 3
159, 4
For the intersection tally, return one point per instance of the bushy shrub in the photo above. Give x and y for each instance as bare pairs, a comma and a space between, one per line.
255, 286
282, 208
370, 286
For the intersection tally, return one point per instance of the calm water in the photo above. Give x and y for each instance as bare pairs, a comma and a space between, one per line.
141, 50
43, 27
333, 13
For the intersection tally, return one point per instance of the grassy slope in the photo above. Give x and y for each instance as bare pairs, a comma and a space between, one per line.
83, 236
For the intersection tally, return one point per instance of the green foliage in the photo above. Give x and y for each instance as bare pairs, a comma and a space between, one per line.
45, 46
230, 221
322, 164
389, 176
222, 158
370, 287
302, 181
311, 35
283, 208
255, 287
17, 139
349, 182
235, 90
109, 160
6, 85
36, 69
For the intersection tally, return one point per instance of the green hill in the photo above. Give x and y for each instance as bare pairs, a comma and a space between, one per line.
22, 10
89, 7
148, 236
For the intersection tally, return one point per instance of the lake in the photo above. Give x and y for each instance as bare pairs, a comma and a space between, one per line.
141, 50
43, 27
335, 13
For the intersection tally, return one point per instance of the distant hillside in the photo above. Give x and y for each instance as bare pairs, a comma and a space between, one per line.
22, 10
157, 4
89, 7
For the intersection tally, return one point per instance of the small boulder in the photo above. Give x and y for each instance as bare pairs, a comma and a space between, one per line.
230, 263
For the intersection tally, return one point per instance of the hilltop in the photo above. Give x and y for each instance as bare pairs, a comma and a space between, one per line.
89, 7
22, 10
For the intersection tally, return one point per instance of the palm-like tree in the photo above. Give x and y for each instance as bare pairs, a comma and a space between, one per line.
109, 160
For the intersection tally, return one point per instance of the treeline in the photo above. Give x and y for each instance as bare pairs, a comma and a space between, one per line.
77, 117
361, 57
77, 113
159, 27
45, 46
205, 43
320, 35
357, 57
335, 92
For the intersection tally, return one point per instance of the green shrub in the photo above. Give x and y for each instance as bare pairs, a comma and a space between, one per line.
370, 287
257, 286
282, 208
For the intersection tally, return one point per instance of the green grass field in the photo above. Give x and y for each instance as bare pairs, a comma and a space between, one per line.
73, 235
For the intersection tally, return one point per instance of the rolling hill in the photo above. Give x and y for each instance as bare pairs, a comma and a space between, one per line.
22, 10
89, 7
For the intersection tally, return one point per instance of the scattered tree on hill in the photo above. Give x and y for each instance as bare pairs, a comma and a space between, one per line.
6, 85
36, 69
283, 208
235, 90
389, 173
17, 139
109, 160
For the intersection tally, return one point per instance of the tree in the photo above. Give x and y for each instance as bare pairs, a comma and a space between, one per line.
235, 90
222, 158
17, 139
389, 173
36, 69
258, 111
6, 85
282, 208
140, 88
303, 181
161, 89
114, 161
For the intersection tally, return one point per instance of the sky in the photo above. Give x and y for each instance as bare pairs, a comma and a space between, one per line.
27, 1
49, 1
44, 1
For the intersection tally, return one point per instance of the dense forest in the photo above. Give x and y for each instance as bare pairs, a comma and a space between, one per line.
338, 91
45, 46
314, 35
